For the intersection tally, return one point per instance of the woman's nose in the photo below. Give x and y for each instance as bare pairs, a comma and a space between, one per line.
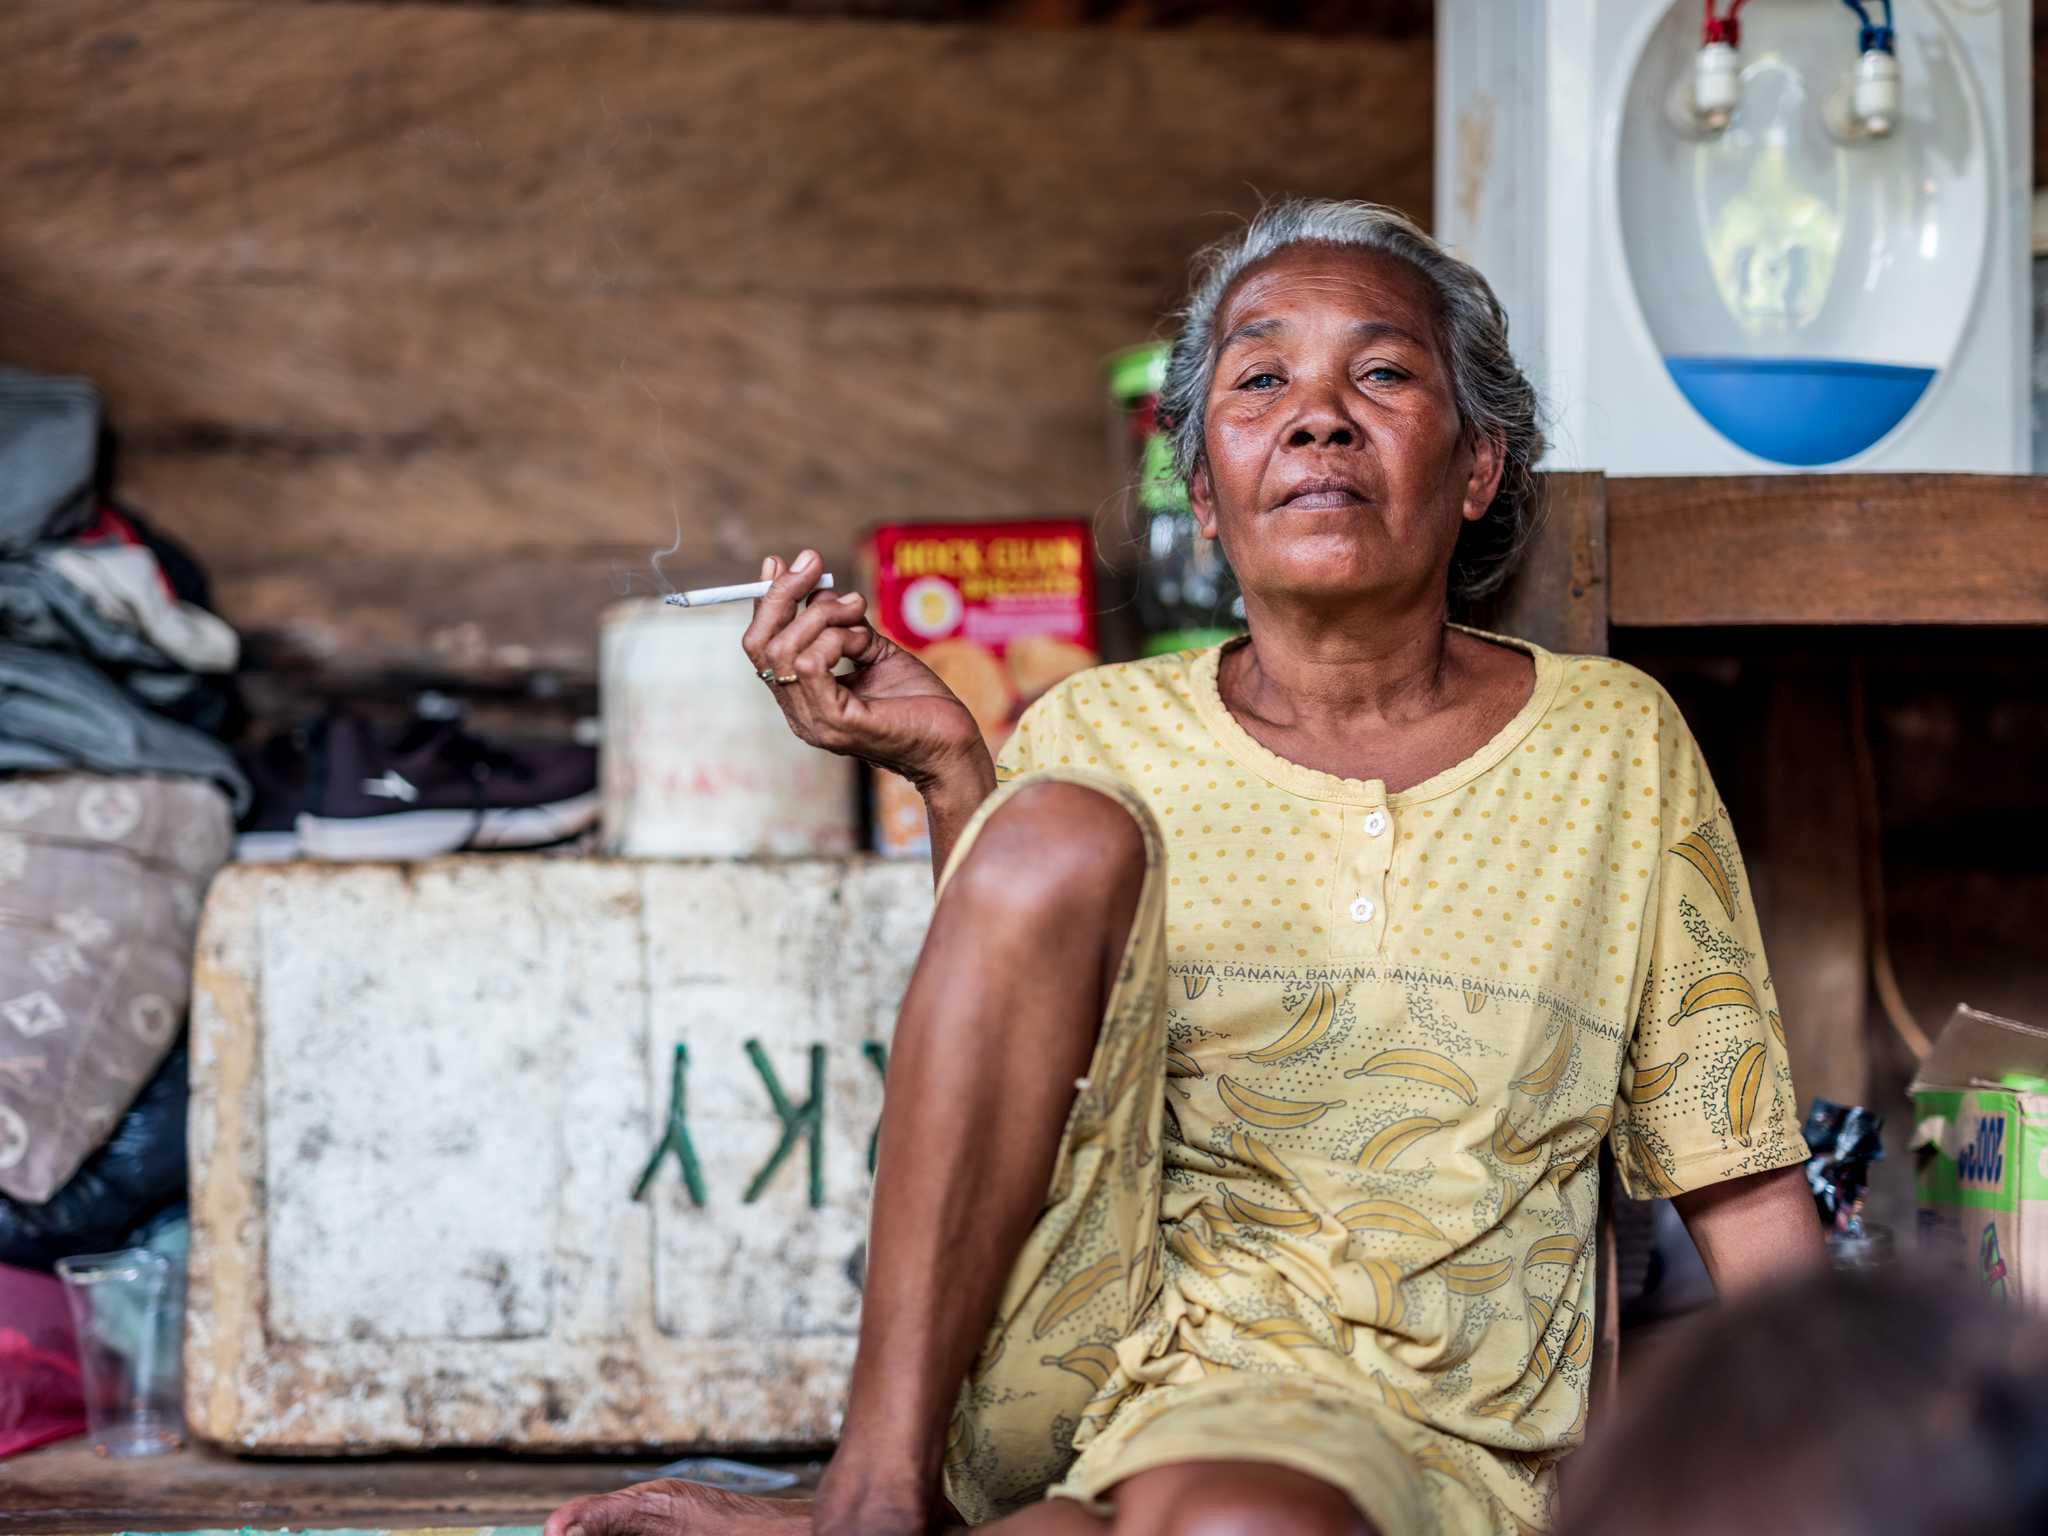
1322, 433
1322, 422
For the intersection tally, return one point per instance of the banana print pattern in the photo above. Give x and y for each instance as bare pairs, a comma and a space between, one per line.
1388, 1144
1328, 1195
1267, 1112
1724, 989
1420, 1066
1509, 1145
1307, 1030
1076, 1294
1745, 1082
1701, 855
1545, 1078
1254, 1153
1093, 1363
1477, 1278
1245, 1213
1654, 1082
1390, 1216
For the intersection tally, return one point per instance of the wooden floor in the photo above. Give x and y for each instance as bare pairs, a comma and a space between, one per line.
64, 1487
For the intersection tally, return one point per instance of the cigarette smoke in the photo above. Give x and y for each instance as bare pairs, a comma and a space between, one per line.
675, 510
606, 196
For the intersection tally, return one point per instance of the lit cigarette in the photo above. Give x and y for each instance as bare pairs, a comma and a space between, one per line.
744, 592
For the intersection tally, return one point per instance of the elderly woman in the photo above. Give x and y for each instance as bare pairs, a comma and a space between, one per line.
1239, 1165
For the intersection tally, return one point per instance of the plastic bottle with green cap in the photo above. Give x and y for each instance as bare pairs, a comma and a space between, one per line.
1186, 597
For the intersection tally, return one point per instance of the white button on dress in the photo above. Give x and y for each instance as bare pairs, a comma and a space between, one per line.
1362, 910
1375, 823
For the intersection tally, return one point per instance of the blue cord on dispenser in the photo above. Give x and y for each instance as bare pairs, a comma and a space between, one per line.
1872, 38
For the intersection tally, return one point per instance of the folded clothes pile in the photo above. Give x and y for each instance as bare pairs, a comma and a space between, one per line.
118, 793
109, 660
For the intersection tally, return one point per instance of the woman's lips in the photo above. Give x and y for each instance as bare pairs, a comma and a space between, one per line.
1326, 500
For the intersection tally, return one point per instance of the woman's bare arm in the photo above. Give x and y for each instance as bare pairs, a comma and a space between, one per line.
951, 801
1754, 1230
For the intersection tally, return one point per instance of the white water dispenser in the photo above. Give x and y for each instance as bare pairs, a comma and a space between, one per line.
1751, 236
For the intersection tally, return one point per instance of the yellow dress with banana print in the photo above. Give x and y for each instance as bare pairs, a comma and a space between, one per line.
1327, 1196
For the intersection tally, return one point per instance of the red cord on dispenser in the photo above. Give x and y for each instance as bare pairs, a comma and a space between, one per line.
1723, 29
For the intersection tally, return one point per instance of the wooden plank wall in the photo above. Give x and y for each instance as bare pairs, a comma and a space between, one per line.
425, 325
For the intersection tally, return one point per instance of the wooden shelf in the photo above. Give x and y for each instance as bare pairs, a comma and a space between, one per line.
64, 1487
1827, 549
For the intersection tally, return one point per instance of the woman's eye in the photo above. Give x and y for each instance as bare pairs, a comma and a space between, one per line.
1261, 381
1380, 373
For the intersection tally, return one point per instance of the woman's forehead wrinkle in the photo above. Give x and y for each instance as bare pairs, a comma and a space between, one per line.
1356, 291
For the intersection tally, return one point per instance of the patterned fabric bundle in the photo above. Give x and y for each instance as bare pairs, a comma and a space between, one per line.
101, 881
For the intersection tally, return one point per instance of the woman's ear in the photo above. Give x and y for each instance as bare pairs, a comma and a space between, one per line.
1202, 499
1482, 482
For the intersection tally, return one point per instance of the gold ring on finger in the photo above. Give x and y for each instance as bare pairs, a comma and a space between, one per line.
783, 682
766, 674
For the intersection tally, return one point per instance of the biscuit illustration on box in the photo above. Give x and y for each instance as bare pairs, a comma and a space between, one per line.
1038, 661
976, 678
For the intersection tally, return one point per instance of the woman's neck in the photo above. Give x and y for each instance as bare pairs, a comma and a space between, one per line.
1317, 671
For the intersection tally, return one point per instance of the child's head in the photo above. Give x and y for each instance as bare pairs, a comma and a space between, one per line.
1881, 1405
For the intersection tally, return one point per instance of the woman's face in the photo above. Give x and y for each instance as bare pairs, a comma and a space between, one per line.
1335, 465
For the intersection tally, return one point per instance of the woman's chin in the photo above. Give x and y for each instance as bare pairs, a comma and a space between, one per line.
1323, 586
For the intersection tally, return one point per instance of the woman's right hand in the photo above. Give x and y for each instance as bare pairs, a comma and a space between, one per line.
891, 710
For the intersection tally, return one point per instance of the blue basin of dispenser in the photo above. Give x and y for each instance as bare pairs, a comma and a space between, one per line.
1799, 410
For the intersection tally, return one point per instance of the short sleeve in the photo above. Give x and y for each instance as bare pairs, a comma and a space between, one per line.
1034, 743
1706, 1089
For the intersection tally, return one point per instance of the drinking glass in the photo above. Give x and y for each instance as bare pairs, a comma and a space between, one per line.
128, 1309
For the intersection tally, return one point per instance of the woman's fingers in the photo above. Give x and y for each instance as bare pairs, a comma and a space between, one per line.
776, 609
825, 611
820, 694
808, 701
790, 637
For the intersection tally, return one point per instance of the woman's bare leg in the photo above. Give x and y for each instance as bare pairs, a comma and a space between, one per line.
1202, 1498
999, 1021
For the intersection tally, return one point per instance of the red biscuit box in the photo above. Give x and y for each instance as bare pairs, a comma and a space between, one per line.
1001, 611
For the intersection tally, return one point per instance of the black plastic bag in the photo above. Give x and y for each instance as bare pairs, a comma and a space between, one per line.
139, 1171
1843, 1140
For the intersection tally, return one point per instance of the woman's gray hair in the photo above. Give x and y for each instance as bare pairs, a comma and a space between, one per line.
1493, 396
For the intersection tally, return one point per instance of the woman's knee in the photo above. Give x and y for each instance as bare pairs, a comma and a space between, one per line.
1240, 1500
1054, 847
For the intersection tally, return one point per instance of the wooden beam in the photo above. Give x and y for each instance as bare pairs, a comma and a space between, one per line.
1558, 595
1829, 549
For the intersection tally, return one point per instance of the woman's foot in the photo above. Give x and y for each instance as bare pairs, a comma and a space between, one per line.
673, 1508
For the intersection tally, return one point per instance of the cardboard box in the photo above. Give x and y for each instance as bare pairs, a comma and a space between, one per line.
1980, 1108
1001, 611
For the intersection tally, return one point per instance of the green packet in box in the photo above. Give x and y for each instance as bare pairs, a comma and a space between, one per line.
1980, 1138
